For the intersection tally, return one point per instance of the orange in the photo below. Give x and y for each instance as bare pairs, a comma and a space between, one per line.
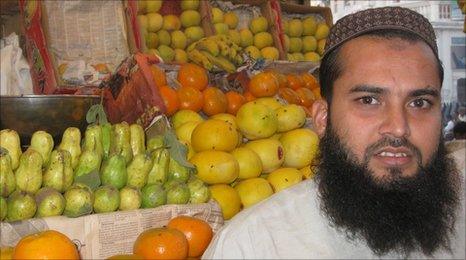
310, 81
159, 76
235, 101
306, 96
170, 99
197, 232
192, 75
294, 81
190, 98
289, 95
215, 101
248, 96
161, 243
48, 244
263, 84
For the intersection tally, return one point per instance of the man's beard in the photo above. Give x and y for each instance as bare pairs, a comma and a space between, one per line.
398, 214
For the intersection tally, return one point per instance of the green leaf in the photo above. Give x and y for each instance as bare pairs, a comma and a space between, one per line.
96, 115
177, 150
91, 179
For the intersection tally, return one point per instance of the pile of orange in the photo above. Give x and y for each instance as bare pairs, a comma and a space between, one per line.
195, 93
183, 237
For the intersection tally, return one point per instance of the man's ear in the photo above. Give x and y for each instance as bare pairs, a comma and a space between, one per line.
319, 116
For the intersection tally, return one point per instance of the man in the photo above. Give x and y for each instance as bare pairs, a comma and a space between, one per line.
385, 186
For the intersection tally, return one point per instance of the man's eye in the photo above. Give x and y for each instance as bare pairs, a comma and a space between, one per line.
368, 100
420, 103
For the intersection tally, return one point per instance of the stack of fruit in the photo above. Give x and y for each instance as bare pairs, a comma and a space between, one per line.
113, 169
169, 35
245, 158
304, 39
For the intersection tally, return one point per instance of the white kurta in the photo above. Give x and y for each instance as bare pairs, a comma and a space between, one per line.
289, 225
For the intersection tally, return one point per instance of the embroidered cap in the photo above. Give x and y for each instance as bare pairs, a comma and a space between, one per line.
354, 25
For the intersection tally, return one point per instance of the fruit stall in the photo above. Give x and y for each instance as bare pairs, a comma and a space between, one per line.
154, 122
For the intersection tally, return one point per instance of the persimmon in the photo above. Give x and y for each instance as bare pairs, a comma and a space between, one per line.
282, 81
317, 93
248, 96
161, 243
263, 84
215, 101
306, 96
294, 81
192, 75
289, 95
170, 99
190, 98
310, 81
197, 232
235, 101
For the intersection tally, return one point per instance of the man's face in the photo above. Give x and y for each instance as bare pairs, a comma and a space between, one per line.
386, 105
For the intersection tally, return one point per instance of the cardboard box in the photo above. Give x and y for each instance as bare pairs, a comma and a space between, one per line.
265, 10
59, 31
290, 9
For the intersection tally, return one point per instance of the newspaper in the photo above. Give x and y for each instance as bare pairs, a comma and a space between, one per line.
88, 39
100, 236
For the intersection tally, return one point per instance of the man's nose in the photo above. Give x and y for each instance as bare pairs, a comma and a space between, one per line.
395, 122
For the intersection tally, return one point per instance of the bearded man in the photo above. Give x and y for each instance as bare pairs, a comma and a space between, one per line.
385, 188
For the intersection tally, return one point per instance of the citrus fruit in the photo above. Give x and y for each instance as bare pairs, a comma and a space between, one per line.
215, 167
215, 101
228, 199
197, 232
256, 121
48, 244
270, 102
300, 146
183, 132
283, 178
250, 165
235, 101
270, 152
190, 98
229, 118
294, 81
263, 84
159, 76
192, 75
161, 243
290, 117
170, 99
183, 116
214, 134
252, 191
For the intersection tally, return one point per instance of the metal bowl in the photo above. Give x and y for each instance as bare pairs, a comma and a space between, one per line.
52, 113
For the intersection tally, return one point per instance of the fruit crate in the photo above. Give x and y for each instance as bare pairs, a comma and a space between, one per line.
248, 9
172, 7
290, 11
69, 47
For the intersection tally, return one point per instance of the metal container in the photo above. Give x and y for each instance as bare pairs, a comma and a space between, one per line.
52, 113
